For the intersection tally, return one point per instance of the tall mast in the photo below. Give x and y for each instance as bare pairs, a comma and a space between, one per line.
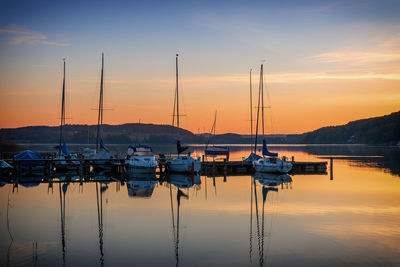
100, 117
177, 92
258, 109
262, 97
251, 116
62, 122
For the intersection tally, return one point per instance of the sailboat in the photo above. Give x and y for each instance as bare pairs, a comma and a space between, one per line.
253, 156
270, 161
102, 158
215, 151
182, 163
63, 157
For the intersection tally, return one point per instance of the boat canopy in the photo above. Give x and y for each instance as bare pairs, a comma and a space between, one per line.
65, 149
266, 152
141, 148
252, 157
5, 166
27, 155
217, 151
180, 148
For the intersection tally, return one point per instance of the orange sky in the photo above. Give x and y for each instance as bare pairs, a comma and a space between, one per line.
323, 66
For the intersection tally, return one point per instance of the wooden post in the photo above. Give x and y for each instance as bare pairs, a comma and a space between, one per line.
331, 169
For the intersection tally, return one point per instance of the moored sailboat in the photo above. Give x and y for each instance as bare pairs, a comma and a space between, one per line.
64, 160
213, 150
270, 161
102, 159
181, 163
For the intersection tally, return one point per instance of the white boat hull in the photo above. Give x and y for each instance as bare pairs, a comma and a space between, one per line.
142, 164
184, 164
265, 165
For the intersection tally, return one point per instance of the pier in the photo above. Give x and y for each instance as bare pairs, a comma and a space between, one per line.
117, 166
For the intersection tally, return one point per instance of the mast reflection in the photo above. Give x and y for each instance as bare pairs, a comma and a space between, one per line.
270, 183
180, 181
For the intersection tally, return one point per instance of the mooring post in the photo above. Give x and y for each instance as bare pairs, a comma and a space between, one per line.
331, 169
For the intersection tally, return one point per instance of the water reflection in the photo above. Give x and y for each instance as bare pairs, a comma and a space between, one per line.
270, 183
354, 215
141, 185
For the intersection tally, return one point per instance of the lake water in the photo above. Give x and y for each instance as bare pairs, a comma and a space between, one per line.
348, 217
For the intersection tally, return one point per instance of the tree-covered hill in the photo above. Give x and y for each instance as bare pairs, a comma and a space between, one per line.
378, 130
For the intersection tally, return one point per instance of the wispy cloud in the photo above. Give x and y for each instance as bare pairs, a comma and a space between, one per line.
20, 34
385, 52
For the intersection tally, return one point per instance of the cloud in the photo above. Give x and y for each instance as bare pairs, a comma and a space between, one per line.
385, 52
20, 34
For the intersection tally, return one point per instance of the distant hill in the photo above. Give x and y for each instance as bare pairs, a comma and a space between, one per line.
378, 130
112, 134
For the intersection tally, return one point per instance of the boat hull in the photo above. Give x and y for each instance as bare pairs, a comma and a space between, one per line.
264, 165
184, 165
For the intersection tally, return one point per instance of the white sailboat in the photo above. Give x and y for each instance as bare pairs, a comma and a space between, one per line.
64, 158
213, 150
181, 163
102, 159
270, 161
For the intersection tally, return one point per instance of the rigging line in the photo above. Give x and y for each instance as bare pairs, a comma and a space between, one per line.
172, 211
177, 92
251, 218
251, 115
8, 219
173, 112
100, 116
262, 96
258, 222
62, 121
270, 227
258, 117
269, 104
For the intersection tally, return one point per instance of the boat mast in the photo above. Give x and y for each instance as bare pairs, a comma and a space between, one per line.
251, 116
258, 109
262, 97
62, 122
177, 92
100, 116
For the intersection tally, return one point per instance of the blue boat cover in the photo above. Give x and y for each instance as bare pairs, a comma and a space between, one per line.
28, 154
65, 149
5, 166
266, 152
253, 157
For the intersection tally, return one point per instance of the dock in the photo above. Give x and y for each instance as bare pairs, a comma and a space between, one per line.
242, 167
225, 167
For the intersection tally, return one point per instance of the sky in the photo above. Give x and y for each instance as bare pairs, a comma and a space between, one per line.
325, 62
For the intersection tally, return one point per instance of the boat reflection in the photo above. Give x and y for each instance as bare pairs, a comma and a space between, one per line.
30, 181
141, 185
272, 179
183, 180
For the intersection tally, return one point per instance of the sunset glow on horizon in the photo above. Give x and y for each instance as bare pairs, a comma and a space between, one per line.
326, 62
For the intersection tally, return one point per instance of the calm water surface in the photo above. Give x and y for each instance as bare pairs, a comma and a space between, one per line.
349, 218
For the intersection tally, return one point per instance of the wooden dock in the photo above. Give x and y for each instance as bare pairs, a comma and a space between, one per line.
86, 166
242, 167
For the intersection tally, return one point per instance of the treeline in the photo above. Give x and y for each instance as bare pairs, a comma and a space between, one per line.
378, 130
